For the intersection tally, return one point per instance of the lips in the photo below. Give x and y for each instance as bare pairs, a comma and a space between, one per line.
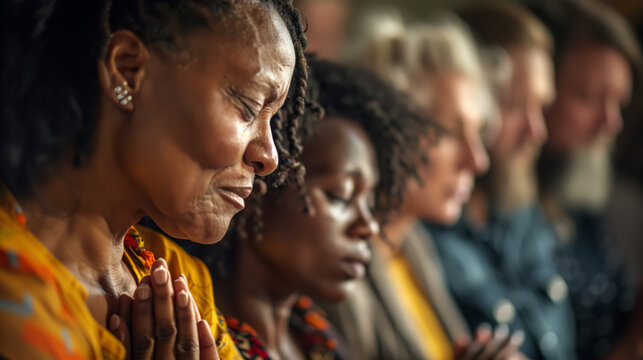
354, 265
236, 195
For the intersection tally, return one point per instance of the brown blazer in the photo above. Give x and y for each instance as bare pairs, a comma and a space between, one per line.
372, 320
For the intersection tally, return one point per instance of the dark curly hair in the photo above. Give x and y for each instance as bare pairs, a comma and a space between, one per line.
391, 122
50, 89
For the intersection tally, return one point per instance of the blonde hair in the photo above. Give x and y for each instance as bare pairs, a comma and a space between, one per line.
402, 54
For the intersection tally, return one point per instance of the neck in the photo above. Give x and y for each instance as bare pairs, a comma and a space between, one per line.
510, 187
395, 231
253, 296
81, 216
477, 208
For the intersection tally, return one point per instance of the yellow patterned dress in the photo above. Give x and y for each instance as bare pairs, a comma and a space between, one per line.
43, 314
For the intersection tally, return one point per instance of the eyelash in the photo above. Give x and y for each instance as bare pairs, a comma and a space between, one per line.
248, 114
334, 197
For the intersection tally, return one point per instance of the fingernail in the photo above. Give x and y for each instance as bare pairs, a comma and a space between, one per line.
163, 262
501, 331
518, 337
182, 299
484, 326
114, 321
160, 276
144, 292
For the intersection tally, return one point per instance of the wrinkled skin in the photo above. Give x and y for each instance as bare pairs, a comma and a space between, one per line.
200, 129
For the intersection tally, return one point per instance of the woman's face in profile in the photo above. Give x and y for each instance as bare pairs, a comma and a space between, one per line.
457, 157
320, 254
201, 125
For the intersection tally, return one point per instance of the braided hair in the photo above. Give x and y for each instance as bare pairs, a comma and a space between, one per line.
50, 91
389, 119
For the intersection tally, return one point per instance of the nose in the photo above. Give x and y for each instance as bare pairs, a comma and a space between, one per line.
476, 157
535, 127
365, 226
261, 152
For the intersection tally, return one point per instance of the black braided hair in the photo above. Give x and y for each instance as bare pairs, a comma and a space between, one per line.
391, 122
50, 89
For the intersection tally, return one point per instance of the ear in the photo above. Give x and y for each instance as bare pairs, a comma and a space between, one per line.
122, 71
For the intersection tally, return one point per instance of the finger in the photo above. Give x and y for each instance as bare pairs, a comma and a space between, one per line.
499, 340
125, 304
192, 301
483, 333
164, 324
207, 346
143, 321
472, 350
187, 342
481, 336
118, 327
460, 346
512, 349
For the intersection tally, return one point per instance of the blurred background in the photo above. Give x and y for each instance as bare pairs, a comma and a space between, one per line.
330, 21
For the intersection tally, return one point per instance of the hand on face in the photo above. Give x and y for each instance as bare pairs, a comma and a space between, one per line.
162, 321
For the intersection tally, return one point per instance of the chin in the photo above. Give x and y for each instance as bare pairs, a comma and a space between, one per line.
205, 231
335, 293
449, 216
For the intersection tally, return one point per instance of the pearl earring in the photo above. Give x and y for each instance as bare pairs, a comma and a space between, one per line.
122, 94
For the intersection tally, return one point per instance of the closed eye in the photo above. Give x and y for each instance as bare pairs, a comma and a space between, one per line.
248, 107
334, 197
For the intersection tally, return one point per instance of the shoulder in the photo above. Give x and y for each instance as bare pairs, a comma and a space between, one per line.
42, 306
315, 334
246, 340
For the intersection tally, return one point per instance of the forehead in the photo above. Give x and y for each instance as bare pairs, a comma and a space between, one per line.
600, 64
458, 94
253, 44
532, 73
338, 145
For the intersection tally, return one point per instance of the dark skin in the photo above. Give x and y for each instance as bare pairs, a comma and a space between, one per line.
184, 152
330, 245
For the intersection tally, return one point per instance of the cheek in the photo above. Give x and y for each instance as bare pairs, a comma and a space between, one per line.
572, 117
303, 246
509, 135
428, 199
218, 142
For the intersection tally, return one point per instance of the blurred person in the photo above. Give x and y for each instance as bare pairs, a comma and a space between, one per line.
597, 58
403, 309
114, 110
625, 208
326, 22
311, 240
498, 258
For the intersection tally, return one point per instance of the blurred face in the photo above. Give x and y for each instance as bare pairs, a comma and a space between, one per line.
594, 83
327, 20
200, 129
457, 157
522, 129
319, 255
